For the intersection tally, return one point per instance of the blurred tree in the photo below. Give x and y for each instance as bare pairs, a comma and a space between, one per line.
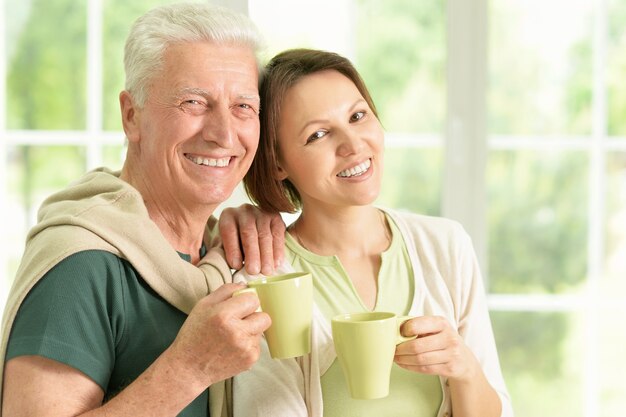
401, 55
412, 180
616, 82
46, 91
537, 220
46, 74
118, 18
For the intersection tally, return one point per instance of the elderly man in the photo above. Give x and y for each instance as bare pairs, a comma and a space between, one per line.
109, 314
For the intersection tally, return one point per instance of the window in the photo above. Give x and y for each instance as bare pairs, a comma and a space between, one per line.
507, 115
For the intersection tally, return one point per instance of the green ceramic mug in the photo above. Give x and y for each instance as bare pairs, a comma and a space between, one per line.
365, 344
288, 299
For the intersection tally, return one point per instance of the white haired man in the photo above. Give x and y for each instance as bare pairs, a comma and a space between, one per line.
109, 313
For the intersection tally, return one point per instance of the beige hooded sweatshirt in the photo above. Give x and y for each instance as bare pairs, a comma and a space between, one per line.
102, 212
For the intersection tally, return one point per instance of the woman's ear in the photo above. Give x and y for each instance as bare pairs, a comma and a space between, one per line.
130, 117
281, 174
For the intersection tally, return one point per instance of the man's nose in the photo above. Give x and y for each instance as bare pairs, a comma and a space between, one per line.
219, 127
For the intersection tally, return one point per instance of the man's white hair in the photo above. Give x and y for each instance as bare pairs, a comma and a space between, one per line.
176, 23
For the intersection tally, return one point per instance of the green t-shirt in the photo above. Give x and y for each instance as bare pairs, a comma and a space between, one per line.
410, 393
95, 313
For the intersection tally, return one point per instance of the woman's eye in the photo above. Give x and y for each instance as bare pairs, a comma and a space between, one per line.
315, 136
357, 116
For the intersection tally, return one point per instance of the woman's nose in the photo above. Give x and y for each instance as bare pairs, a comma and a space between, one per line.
350, 143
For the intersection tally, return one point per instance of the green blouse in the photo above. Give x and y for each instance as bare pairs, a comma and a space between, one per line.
410, 393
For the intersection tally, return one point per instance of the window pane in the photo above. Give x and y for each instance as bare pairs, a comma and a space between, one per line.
33, 173
118, 17
616, 68
113, 156
540, 71
408, 84
613, 283
45, 65
612, 364
323, 24
537, 220
404, 67
541, 356
412, 180
612, 292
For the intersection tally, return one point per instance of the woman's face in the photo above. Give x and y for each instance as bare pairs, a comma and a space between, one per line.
330, 142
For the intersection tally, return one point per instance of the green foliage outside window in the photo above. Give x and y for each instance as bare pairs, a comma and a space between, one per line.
118, 17
616, 57
46, 74
538, 221
401, 56
404, 69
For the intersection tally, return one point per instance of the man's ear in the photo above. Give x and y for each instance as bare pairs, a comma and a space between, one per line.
130, 116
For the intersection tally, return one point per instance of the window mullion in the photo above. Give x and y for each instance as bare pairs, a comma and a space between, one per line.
463, 194
94, 81
597, 186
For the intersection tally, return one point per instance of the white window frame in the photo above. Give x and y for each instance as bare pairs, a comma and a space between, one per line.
467, 147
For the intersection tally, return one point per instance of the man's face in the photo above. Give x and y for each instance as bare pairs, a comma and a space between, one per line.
199, 128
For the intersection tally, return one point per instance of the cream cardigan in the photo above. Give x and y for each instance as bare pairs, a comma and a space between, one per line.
102, 212
448, 283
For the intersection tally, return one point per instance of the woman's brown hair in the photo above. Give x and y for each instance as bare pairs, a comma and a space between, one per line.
280, 74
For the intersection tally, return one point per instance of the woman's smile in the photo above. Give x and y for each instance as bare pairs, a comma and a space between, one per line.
357, 170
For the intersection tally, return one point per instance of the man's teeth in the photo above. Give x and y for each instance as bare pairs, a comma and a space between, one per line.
222, 162
357, 170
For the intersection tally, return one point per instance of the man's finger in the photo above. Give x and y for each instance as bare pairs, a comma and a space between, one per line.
258, 322
223, 293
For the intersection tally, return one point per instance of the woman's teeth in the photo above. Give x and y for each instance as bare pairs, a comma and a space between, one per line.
222, 162
357, 170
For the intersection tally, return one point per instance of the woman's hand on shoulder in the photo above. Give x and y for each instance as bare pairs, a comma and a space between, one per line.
252, 238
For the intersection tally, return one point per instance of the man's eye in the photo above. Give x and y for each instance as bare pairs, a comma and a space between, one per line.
193, 102
245, 111
357, 116
315, 136
248, 107
193, 106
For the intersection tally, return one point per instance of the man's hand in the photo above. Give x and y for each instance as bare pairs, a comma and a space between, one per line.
261, 235
221, 336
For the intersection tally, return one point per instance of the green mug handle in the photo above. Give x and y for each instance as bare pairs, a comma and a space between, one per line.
245, 290
400, 321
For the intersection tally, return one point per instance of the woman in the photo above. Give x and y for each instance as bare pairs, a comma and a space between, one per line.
321, 151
